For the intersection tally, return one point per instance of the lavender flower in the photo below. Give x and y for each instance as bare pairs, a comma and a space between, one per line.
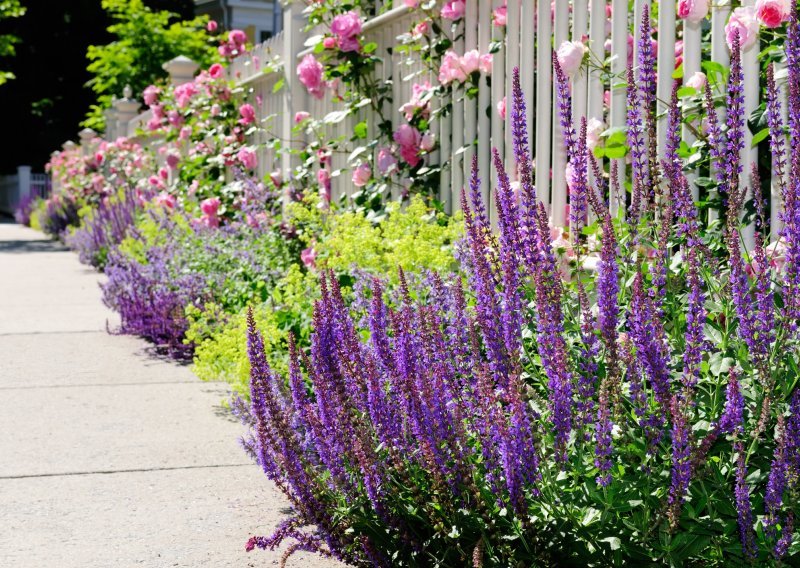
732, 420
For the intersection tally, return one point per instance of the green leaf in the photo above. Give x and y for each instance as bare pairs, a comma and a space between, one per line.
360, 129
760, 136
616, 152
370, 47
278, 85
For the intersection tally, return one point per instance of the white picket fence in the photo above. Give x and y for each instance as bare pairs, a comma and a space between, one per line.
474, 126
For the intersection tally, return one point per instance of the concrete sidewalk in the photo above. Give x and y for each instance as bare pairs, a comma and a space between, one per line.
108, 456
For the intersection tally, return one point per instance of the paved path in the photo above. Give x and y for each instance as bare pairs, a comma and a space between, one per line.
109, 457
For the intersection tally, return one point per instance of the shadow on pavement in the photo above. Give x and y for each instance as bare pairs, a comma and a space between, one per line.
25, 246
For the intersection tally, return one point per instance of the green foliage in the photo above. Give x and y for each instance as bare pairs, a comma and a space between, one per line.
413, 238
145, 40
9, 9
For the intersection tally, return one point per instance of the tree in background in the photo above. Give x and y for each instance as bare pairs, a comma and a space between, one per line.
145, 39
8, 9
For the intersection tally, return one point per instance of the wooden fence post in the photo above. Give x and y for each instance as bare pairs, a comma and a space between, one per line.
295, 96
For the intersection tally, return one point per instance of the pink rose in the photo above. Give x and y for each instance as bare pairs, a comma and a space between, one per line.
248, 114
237, 37
743, 20
486, 64
276, 178
697, 81
310, 73
150, 95
500, 16
692, 10
471, 61
772, 13
329, 42
247, 157
450, 69
348, 44
407, 135
422, 28
174, 118
308, 257
323, 176
386, 160
216, 71
454, 10
594, 128
411, 3
166, 200
215, 109
570, 56
173, 158
427, 142
300, 116
210, 206
501, 108
361, 175
346, 25
211, 26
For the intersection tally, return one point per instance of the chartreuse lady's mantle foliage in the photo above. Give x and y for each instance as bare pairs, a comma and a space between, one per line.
643, 414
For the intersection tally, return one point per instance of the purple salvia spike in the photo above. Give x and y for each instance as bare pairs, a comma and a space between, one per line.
777, 141
776, 483
695, 324
607, 295
640, 171
732, 158
681, 462
732, 419
579, 186
524, 162
764, 305
743, 509
647, 96
564, 99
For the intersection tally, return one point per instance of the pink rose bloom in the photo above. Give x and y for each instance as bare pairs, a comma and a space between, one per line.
185, 133
308, 257
174, 118
422, 28
501, 108
454, 10
163, 173
772, 13
500, 16
411, 3
215, 109
743, 20
216, 71
150, 95
248, 114
407, 135
184, 94
486, 64
361, 175
158, 111
471, 61
247, 157
237, 37
697, 81
210, 206
450, 69
418, 102
164, 199
348, 44
323, 176
276, 177
427, 142
570, 56
310, 73
98, 157
211, 26
173, 159
594, 128
329, 42
346, 25
386, 160
300, 116
692, 10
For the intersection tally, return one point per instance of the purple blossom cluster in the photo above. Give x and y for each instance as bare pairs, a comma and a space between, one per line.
459, 424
